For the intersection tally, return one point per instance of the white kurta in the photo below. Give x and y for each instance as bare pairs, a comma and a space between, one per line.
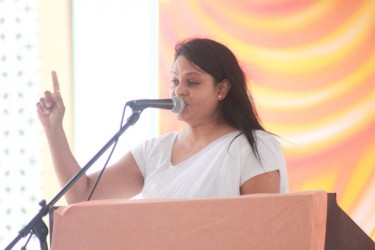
218, 170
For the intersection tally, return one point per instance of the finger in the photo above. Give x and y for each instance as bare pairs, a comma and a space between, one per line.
42, 103
41, 107
55, 82
48, 99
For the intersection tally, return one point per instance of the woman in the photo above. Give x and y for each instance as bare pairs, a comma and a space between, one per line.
222, 151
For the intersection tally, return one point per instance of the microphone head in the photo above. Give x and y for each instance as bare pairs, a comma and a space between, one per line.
178, 104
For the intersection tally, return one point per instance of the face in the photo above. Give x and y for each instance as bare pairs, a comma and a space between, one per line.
199, 91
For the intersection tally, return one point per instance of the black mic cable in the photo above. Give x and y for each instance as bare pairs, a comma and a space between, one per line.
176, 104
109, 156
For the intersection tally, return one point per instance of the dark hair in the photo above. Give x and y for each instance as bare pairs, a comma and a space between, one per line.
217, 60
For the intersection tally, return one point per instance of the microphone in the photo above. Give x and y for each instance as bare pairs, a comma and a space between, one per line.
176, 104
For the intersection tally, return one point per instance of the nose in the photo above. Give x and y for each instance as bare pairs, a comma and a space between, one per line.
180, 90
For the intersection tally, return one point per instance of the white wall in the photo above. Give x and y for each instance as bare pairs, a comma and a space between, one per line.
115, 60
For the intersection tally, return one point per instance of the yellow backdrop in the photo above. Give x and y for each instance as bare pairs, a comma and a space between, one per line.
311, 69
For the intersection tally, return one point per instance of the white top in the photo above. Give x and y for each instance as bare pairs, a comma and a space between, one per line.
218, 170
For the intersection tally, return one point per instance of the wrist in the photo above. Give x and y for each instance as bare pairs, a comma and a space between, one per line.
54, 129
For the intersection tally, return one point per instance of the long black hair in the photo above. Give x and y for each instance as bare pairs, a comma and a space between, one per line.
217, 60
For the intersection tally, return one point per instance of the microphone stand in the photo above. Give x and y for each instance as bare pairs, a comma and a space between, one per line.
37, 225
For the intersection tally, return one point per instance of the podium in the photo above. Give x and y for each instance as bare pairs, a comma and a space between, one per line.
302, 220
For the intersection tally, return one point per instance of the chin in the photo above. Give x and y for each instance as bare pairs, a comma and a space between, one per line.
181, 116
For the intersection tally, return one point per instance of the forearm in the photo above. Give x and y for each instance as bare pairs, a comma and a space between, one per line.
66, 165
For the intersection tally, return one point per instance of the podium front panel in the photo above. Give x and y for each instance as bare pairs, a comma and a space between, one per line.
263, 221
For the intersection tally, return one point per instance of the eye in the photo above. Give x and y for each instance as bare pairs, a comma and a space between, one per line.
192, 82
174, 82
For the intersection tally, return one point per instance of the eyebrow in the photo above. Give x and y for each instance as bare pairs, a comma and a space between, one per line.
187, 74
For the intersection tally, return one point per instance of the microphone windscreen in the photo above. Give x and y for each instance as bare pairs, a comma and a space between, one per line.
179, 104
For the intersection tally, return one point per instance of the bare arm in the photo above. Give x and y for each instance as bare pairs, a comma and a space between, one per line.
119, 181
264, 183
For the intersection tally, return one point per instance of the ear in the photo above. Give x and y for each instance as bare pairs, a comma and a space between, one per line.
223, 89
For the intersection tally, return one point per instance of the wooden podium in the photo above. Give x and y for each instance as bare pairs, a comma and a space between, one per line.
304, 220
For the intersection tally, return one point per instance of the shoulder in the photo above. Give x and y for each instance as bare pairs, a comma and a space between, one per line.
262, 139
270, 152
264, 136
163, 139
268, 147
266, 141
148, 152
156, 143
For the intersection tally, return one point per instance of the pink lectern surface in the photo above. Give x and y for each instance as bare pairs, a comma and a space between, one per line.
264, 221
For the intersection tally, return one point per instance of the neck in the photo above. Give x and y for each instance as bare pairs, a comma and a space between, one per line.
203, 134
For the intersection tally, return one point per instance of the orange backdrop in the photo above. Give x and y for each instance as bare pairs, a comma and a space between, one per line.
311, 69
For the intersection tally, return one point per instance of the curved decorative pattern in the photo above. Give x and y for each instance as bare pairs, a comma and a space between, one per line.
311, 69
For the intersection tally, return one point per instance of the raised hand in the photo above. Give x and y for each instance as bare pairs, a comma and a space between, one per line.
51, 107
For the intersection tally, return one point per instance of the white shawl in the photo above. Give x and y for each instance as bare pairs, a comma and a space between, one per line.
218, 170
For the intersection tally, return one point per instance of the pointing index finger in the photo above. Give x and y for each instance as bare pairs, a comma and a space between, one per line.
55, 82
